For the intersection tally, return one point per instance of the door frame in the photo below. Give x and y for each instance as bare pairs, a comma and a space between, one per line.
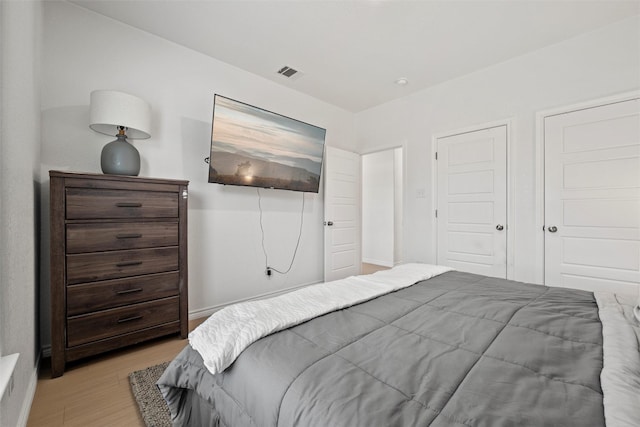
539, 267
511, 226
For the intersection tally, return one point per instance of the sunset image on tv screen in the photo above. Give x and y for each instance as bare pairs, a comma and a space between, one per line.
254, 147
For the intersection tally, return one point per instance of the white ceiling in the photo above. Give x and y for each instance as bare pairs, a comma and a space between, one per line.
351, 52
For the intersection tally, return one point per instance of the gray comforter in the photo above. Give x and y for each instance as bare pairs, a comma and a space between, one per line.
455, 350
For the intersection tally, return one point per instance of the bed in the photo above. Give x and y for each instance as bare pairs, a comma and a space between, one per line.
448, 349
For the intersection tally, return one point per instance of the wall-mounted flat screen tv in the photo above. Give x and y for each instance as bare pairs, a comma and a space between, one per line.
254, 147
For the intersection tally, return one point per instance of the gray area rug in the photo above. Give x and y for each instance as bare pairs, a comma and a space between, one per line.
153, 408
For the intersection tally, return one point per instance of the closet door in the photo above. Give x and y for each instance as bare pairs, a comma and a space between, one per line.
592, 198
472, 201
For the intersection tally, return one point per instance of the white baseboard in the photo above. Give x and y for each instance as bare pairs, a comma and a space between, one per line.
31, 392
208, 311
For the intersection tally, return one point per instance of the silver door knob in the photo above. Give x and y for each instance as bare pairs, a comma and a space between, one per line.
499, 227
553, 229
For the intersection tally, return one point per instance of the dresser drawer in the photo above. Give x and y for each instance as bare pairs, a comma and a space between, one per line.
93, 237
109, 323
89, 203
98, 266
97, 296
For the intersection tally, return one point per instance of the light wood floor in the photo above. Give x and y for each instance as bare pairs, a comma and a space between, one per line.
372, 268
96, 391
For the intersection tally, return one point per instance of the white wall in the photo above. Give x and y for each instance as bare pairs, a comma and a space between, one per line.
84, 51
20, 39
593, 65
378, 208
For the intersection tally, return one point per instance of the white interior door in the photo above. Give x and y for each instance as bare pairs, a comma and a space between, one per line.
472, 201
342, 214
592, 198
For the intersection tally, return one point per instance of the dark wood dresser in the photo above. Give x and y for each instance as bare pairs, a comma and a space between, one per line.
118, 262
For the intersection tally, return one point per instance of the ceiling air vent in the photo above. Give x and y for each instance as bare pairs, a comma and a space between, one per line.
289, 72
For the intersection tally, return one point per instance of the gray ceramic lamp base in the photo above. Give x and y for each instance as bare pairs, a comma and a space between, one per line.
120, 158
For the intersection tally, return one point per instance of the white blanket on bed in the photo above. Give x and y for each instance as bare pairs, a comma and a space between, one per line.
620, 377
222, 337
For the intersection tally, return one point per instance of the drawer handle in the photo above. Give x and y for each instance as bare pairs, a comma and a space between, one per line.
129, 236
128, 263
129, 291
129, 319
128, 205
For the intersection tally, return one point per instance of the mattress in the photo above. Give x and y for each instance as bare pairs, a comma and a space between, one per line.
456, 350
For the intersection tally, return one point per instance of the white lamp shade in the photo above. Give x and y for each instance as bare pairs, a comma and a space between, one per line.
111, 109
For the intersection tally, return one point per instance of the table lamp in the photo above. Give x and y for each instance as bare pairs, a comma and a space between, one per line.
123, 116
